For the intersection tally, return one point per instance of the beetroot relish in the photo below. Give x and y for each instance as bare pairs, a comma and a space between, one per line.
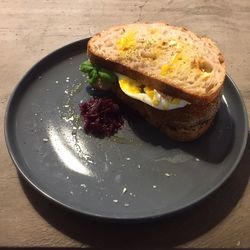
101, 116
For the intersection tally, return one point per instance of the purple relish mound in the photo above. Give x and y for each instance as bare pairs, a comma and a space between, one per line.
101, 117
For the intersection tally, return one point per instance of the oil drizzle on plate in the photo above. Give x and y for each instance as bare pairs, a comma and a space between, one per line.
69, 112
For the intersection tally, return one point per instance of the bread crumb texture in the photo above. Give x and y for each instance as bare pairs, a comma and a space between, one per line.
171, 54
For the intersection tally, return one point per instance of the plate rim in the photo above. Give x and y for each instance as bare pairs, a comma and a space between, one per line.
172, 212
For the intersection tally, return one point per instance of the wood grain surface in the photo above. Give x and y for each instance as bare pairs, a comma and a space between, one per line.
29, 30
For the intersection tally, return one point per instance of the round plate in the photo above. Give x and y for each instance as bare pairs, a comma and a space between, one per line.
136, 174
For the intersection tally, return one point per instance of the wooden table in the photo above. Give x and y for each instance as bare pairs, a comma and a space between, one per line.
31, 29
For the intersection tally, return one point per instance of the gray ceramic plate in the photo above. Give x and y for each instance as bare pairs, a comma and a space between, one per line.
136, 174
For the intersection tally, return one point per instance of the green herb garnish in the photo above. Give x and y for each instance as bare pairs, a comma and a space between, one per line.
95, 73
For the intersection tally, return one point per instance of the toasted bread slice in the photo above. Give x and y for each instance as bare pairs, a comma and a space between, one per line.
170, 59
184, 124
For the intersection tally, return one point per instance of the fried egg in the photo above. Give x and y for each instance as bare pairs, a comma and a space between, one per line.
149, 95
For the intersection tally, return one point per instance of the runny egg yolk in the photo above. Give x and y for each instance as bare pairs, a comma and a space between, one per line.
149, 95
129, 85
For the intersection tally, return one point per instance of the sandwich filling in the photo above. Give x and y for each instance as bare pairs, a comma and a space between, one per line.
149, 95
104, 79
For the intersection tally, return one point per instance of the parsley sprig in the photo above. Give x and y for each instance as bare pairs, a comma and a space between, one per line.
95, 73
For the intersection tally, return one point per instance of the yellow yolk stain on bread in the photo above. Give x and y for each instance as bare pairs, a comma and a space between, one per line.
180, 61
127, 41
183, 63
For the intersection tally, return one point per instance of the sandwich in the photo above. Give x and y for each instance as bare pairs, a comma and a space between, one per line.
170, 76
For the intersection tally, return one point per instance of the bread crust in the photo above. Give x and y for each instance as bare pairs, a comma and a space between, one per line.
183, 124
169, 88
187, 134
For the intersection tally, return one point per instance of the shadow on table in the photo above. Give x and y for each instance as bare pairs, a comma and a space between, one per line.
211, 147
167, 232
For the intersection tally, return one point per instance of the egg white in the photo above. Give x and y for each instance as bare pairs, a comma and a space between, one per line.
157, 100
